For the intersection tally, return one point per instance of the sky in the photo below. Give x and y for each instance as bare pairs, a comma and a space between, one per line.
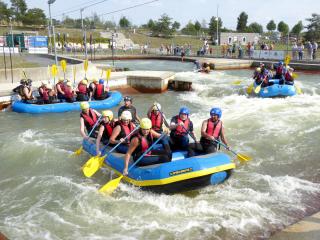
183, 11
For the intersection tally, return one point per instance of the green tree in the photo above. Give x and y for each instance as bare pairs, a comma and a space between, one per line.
151, 24
163, 27
213, 26
297, 29
34, 16
197, 26
271, 26
124, 22
283, 28
4, 11
176, 25
313, 28
189, 29
242, 22
255, 27
19, 9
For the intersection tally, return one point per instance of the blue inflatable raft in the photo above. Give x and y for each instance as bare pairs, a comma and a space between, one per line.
179, 175
276, 90
21, 107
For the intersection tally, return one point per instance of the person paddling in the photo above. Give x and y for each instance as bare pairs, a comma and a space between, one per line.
124, 127
140, 143
60, 89
92, 87
105, 129
181, 126
211, 130
69, 93
100, 92
82, 93
24, 90
88, 119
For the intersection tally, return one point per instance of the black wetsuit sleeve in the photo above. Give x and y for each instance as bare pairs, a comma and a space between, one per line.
191, 127
16, 89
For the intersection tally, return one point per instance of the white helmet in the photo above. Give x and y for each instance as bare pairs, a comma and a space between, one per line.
126, 115
156, 106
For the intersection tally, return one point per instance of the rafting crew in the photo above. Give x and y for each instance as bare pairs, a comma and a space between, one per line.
181, 126
105, 130
47, 94
88, 119
140, 143
24, 90
129, 107
211, 132
123, 128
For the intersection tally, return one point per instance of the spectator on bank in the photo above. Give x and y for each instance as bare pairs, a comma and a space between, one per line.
294, 51
314, 48
310, 50
300, 51
251, 51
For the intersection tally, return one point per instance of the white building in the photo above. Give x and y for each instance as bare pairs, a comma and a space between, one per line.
242, 38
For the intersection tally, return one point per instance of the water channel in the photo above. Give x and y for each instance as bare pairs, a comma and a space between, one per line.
45, 196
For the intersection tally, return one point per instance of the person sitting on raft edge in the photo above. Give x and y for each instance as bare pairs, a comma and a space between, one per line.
211, 130
88, 118
129, 107
140, 143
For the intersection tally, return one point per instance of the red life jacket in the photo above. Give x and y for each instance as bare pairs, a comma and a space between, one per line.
279, 70
44, 94
214, 129
180, 130
288, 77
82, 88
145, 143
108, 128
156, 121
89, 119
99, 90
125, 131
62, 86
67, 92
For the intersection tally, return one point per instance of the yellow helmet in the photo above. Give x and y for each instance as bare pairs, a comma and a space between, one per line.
84, 81
84, 105
69, 84
61, 79
258, 70
145, 123
126, 115
108, 113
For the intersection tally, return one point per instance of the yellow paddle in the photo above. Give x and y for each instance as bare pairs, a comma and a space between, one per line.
287, 60
54, 72
85, 66
250, 88
108, 72
241, 157
95, 162
79, 151
63, 64
258, 88
112, 185
238, 82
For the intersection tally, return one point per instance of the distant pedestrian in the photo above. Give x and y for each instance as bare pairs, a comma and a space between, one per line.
315, 48
310, 50
300, 51
294, 51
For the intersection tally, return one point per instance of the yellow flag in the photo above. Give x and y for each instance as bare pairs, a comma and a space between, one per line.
63, 64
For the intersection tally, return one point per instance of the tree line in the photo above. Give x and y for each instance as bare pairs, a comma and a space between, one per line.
165, 26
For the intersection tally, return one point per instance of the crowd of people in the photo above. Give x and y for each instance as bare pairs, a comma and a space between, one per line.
134, 135
63, 91
283, 72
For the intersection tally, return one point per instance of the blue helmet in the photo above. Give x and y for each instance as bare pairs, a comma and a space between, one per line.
281, 63
216, 111
184, 110
101, 81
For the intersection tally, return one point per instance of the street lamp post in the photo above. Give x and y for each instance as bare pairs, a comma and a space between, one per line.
217, 41
10, 50
84, 34
53, 33
112, 48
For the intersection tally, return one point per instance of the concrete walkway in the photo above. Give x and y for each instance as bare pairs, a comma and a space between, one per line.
307, 229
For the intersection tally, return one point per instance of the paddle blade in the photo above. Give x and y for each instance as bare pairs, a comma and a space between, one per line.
257, 89
85, 65
295, 76
243, 158
250, 88
108, 73
78, 152
63, 64
92, 166
287, 60
237, 82
298, 89
111, 185
54, 70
